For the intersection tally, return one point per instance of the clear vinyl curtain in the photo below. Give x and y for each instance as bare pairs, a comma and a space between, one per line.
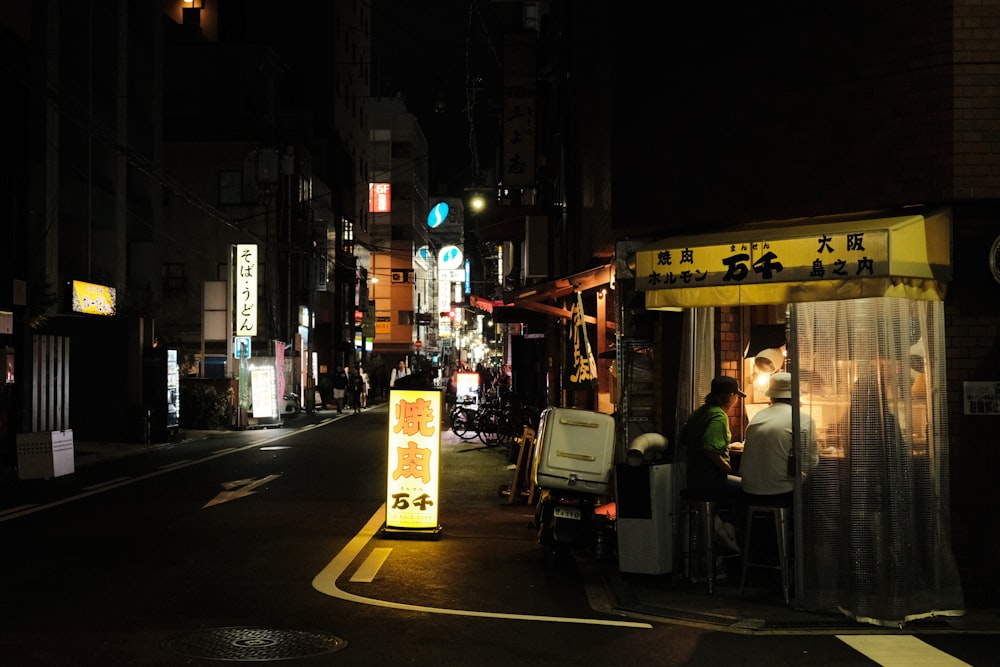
697, 363
873, 518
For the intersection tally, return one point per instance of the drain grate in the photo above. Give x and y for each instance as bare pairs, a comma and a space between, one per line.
254, 644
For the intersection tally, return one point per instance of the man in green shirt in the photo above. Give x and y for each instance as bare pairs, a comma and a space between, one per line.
705, 437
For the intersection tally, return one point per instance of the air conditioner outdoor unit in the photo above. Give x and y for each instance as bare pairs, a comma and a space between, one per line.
399, 276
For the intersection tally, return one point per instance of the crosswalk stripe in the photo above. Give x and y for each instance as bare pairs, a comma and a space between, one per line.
901, 651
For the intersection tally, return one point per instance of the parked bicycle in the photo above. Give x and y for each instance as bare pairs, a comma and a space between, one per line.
464, 417
496, 417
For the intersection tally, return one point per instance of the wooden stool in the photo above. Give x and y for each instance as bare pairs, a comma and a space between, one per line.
781, 517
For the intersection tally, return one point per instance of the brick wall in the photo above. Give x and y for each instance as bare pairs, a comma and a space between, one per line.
972, 332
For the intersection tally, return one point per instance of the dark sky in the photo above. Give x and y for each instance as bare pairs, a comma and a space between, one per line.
448, 51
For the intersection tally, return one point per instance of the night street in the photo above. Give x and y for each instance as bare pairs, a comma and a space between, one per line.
264, 545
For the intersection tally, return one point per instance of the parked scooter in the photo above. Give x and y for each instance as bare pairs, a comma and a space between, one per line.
571, 467
292, 404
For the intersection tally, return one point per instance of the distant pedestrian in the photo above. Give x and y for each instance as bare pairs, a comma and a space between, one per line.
339, 388
366, 381
356, 386
399, 372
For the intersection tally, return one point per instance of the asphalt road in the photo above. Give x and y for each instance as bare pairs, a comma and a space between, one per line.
266, 546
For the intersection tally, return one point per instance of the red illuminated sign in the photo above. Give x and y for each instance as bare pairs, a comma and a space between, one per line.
379, 197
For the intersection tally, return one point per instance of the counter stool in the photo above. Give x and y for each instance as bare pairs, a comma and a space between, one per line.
699, 526
781, 516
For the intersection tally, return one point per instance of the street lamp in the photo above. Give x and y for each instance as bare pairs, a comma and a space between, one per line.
477, 203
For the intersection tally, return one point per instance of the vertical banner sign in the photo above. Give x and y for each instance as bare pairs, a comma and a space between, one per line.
519, 110
245, 287
379, 197
412, 501
279, 372
582, 374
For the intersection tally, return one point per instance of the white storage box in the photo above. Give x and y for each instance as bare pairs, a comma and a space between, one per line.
45, 454
574, 450
646, 522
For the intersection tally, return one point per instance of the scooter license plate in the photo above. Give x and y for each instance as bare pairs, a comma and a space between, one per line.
563, 512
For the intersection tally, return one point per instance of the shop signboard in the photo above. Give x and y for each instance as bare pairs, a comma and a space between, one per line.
823, 256
467, 384
414, 442
245, 288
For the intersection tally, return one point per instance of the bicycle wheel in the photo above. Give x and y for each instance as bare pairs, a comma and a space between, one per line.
463, 423
488, 424
508, 431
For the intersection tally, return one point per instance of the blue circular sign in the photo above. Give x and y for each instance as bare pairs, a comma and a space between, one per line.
450, 257
438, 215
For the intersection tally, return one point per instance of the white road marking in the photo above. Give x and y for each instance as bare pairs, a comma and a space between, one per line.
25, 510
240, 489
16, 511
104, 483
326, 582
366, 573
900, 651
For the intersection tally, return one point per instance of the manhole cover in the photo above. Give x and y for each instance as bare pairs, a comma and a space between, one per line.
251, 644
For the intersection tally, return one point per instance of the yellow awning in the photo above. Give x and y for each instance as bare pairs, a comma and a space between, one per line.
814, 259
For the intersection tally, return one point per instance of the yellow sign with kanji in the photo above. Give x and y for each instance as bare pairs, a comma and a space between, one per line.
412, 500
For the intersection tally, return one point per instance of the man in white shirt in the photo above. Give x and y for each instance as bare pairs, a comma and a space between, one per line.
767, 473
398, 372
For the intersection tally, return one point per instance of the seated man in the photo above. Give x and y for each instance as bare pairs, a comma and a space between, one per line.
768, 466
705, 438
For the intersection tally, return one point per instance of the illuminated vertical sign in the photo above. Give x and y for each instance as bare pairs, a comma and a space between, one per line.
379, 197
412, 500
264, 391
245, 287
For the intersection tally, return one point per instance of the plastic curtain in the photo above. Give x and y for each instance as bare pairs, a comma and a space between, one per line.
874, 516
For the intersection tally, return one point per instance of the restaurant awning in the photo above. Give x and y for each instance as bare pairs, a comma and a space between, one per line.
535, 297
808, 259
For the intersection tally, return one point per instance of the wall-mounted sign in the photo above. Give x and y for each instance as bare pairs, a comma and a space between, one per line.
241, 347
379, 197
981, 398
412, 500
423, 256
450, 257
245, 287
438, 214
93, 299
518, 149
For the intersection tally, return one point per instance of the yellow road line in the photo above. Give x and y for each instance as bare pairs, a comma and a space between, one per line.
326, 582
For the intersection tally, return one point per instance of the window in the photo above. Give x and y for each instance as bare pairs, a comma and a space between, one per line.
348, 236
230, 187
172, 274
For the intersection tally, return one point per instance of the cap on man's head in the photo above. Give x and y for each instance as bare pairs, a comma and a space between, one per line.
780, 385
726, 385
